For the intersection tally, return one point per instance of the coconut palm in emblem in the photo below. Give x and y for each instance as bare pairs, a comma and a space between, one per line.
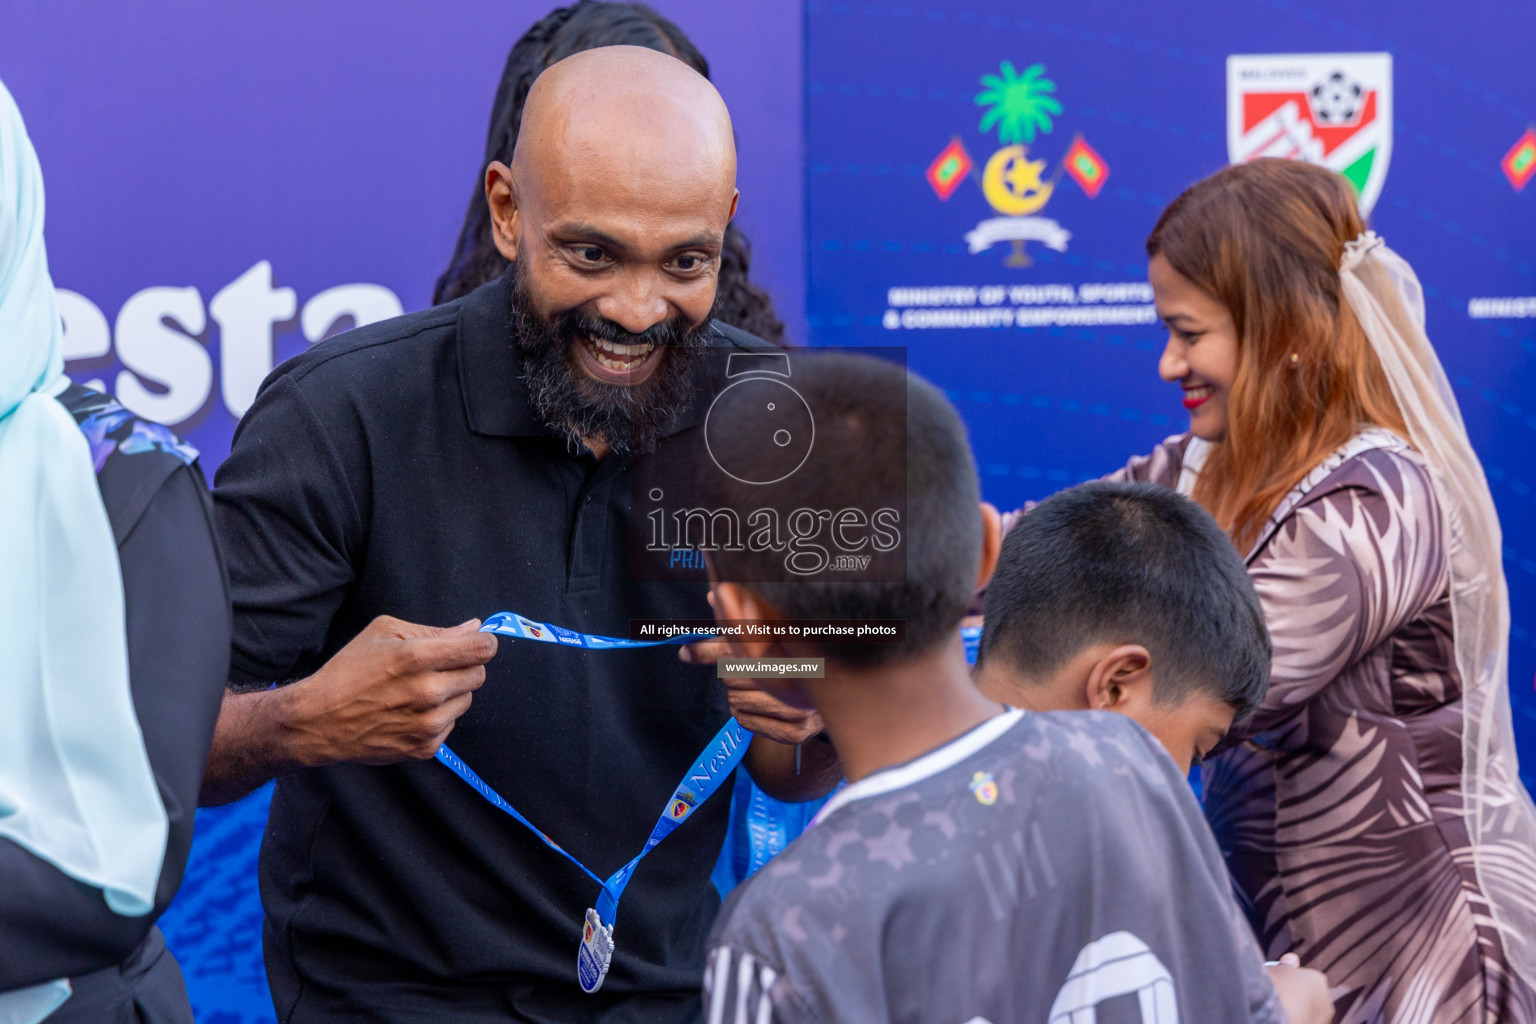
1019, 105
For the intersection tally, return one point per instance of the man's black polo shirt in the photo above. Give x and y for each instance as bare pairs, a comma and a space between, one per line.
399, 470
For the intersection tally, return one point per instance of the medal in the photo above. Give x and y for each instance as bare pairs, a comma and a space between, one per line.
595, 953
712, 768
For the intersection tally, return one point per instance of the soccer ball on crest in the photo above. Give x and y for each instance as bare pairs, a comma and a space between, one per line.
1337, 99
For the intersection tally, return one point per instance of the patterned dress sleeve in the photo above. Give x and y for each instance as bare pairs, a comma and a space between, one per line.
1159, 466
1342, 573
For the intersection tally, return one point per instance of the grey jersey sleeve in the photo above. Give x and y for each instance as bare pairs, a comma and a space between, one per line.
740, 988
1198, 853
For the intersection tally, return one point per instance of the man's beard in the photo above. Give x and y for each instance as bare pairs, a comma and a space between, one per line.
628, 418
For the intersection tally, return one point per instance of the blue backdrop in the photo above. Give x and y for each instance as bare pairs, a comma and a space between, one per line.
228, 183
1059, 384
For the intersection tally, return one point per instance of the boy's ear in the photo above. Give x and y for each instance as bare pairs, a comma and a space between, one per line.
991, 543
1121, 680
733, 601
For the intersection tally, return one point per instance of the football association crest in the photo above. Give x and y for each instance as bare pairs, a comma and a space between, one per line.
1016, 184
1329, 109
984, 787
683, 802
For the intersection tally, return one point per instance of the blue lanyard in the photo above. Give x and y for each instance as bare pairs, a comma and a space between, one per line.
767, 831
520, 628
712, 767
971, 637
709, 770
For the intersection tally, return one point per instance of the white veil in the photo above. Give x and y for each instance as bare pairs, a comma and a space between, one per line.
1386, 298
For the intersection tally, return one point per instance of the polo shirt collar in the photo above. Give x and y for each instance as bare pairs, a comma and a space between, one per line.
491, 367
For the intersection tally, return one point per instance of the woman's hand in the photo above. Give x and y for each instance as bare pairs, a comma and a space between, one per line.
1303, 991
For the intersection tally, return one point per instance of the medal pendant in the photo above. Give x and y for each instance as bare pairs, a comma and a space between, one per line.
595, 954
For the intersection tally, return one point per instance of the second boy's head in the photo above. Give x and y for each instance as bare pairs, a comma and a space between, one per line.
881, 521
1126, 597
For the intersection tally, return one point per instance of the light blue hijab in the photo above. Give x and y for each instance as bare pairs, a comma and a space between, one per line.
76, 787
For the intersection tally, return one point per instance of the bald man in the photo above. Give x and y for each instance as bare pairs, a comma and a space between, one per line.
474, 458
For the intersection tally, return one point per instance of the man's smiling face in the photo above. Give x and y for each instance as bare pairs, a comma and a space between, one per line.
615, 212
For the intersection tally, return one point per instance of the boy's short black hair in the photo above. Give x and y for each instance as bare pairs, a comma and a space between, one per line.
884, 440
1129, 563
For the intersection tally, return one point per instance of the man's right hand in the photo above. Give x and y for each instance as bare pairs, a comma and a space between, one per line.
392, 694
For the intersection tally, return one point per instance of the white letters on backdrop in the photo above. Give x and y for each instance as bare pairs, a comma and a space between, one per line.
163, 354
167, 371
246, 309
364, 303
86, 334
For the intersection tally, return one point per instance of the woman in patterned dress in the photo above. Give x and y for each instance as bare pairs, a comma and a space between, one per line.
1370, 813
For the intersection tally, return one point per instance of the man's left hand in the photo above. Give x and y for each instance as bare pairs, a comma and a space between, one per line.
780, 767
759, 712
763, 714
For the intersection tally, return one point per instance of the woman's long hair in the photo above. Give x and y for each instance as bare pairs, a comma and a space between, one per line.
587, 25
1264, 239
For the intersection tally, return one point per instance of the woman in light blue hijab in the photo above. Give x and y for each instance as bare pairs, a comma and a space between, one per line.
114, 646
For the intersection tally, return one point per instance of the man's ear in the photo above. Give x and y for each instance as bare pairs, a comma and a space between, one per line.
991, 543
1121, 680
733, 601
501, 198
735, 201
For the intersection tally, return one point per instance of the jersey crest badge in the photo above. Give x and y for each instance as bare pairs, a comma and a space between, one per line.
984, 787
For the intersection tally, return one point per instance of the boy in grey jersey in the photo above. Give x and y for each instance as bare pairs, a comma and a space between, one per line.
985, 865
1034, 869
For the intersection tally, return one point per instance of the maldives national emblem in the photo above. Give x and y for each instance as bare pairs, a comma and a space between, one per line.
1329, 109
1021, 108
